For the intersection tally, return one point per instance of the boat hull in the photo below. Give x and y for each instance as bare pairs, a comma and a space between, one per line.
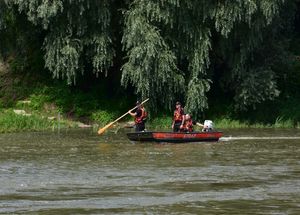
173, 137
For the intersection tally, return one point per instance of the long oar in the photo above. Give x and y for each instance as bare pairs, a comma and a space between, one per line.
102, 130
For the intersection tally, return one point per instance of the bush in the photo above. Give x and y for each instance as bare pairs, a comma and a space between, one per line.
161, 122
103, 116
283, 123
1, 103
37, 101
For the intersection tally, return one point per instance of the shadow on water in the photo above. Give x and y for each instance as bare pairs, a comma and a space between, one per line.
78, 172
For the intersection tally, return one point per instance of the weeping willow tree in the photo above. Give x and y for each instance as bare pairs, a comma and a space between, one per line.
161, 34
3, 27
169, 46
76, 32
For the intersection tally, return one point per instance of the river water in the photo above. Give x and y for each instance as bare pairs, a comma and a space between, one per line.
78, 172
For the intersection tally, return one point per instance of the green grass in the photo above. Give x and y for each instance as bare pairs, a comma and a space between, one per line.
162, 122
230, 123
38, 121
48, 101
226, 123
92, 107
103, 117
11, 122
284, 123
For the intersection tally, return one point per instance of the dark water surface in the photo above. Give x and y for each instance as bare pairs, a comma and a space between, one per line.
78, 172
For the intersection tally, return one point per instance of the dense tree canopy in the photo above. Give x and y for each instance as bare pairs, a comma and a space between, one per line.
170, 49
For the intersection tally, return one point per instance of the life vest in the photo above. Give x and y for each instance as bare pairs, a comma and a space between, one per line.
142, 117
188, 126
178, 115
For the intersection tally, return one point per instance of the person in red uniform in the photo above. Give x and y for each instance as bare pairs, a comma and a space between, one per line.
140, 116
178, 117
188, 124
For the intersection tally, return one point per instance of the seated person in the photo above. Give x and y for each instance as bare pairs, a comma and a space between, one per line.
189, 123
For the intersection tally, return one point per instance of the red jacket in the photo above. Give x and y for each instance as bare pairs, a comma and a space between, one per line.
141, 115
178, 115
188, 125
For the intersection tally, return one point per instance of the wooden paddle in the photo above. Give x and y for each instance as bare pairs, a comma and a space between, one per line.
102, 130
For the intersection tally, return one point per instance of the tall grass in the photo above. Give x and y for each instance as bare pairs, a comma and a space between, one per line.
230, 123
227, 123
103, 117
162, 122
11, 122
284, 123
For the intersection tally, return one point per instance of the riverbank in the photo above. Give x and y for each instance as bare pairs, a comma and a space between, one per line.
41, 103
12, 120
226, 123
19, 121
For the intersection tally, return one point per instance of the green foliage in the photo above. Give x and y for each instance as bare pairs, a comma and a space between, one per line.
290, 109
3, 14
37, 101
11, 122
161, 122
256, 87
1, 104
171, 49
75, 31
282, 123
196, 98
181, 31
103, 116
229, 123
151, 65
225, 123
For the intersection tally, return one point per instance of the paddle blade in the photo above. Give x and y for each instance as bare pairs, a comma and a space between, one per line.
102, 130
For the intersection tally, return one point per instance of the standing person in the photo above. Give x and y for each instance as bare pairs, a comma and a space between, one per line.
140, 116
178, 118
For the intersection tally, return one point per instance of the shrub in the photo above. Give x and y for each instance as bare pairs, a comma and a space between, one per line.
38, 101
103, 116
161, 122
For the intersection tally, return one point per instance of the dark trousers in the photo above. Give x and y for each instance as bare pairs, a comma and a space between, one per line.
177, 126
139, 127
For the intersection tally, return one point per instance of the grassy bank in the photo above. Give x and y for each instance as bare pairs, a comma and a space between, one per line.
41, 99
49, 104
51, 108
40, 121
279, 123
226, 123
12, 122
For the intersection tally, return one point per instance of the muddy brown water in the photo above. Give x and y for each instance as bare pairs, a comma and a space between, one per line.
78, 172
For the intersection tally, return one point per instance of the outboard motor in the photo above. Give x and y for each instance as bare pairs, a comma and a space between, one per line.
208, 126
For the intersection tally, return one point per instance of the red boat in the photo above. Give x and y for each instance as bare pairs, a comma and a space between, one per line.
173, 137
